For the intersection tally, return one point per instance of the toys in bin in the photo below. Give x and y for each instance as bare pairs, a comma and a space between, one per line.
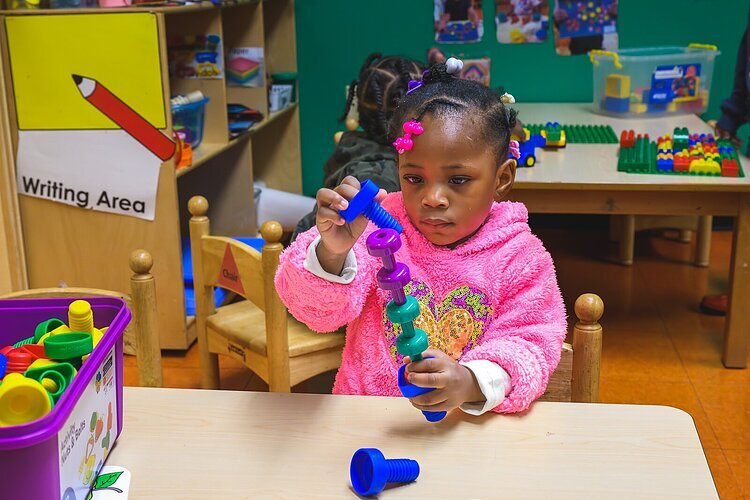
679, 153
37, 370
188, 113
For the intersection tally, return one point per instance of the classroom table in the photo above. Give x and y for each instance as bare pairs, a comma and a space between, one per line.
226, 444
583, 179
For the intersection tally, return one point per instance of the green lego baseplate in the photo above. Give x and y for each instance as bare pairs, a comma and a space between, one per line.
642, 158
581, 134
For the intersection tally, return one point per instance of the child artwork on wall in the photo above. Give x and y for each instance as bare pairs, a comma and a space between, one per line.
245, 67
522, 21
458, 21
477, 70
584, 25
195, 56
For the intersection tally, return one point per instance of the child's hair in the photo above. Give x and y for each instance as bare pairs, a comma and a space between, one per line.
446, 96
382, 83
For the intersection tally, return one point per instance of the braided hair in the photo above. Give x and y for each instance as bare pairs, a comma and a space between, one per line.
382, 83
446, 96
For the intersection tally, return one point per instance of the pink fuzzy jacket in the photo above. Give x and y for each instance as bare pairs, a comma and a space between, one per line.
494, 297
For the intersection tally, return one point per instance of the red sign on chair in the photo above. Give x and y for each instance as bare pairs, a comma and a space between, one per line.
229, 276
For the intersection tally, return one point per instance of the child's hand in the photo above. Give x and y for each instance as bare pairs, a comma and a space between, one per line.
725, 134
337, 237
454, 383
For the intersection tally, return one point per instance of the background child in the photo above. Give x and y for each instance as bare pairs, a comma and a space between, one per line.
381, 84
735, 112
486, 286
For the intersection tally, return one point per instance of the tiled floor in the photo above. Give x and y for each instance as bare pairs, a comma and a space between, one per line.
657, 348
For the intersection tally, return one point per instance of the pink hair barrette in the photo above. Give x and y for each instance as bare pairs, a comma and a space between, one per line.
515, 149
405, 142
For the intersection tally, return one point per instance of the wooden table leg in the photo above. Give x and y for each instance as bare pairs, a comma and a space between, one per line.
737, 328
703, 240
627, 239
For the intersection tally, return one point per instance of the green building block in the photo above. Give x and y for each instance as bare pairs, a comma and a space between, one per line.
640, 159
578, 134
680, 139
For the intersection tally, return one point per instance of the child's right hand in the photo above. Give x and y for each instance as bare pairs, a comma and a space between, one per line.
337, 237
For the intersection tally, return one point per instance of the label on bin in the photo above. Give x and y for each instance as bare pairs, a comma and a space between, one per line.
87, 437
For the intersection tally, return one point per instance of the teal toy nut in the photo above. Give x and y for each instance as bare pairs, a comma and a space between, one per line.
45, 327
67, 346
404, 313
413, 346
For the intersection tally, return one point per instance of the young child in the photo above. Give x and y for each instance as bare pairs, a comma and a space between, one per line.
381, 84
486, 286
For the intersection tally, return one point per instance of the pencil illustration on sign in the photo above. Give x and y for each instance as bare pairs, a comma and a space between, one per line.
125, 116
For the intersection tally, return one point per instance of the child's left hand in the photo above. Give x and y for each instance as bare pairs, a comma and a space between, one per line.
454, 383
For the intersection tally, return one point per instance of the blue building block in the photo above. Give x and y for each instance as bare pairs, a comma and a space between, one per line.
617, 104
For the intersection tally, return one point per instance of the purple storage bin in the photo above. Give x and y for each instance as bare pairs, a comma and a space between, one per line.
60, 454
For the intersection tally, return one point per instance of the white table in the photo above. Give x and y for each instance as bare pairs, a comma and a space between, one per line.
223, 444
583, 179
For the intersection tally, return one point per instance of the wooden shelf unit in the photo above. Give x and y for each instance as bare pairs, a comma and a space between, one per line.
223, 170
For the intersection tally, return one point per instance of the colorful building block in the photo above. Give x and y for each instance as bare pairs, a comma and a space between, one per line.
639, 158
574, 134
680, 138
617, 86
627, 139
617, 104
638, 107
681, 153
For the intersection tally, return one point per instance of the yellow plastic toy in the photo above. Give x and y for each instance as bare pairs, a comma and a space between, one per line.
81, 319
59, 329
22, 400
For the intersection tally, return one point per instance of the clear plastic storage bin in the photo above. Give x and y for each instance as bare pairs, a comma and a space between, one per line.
188, 119
653, 81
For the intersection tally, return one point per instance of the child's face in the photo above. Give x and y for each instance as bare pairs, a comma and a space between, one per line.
450, 179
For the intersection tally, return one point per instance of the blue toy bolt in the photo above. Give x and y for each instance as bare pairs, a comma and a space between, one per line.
3, 365
370, 471
364, 203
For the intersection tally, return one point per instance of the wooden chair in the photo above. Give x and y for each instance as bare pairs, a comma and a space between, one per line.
576, 378
259, 332
142, 305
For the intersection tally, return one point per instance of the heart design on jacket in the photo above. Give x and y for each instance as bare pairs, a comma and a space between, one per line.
454, 324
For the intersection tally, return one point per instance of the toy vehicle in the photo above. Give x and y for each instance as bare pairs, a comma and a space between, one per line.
528, 158
554, 135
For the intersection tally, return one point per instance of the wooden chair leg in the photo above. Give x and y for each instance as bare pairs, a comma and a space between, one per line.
587, 349
703, 240
204, 295
627, 240
143, 291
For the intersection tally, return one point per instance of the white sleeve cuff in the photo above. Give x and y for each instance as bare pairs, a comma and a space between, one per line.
494, 382
312, 264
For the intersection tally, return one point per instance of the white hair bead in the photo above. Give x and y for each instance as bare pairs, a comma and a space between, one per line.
453, 65
508, 98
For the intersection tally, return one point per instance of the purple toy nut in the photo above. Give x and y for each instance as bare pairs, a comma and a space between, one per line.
395, 279
383, 242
